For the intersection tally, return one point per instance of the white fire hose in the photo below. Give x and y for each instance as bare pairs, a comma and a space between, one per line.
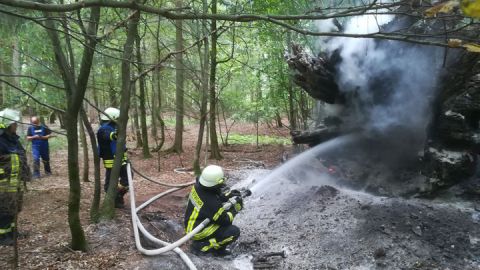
137, 225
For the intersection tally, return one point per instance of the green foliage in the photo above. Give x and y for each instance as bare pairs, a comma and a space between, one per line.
57, 143
252, 139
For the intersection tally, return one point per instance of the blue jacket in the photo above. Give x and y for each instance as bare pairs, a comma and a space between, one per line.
107, 143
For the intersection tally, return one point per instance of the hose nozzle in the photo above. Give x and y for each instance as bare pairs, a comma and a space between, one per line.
245, 192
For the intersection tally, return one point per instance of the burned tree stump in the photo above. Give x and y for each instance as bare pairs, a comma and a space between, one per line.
316, 75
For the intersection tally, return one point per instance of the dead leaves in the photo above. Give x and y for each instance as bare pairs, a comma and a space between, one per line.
458, 43
445, 7
470, 8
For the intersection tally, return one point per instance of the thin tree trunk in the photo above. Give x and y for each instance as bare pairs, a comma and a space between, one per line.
136, 124
203, 94
94, 210
108, 210
83, 140
143, 113
214, 148
292, 116
16, 60
2, 87
75, 91
179, 84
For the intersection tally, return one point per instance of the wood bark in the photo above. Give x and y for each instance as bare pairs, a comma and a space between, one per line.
94, 210
75, 91
203, 94
83, 140
141, 97
136, 123
179, 84
214, 148
108, 210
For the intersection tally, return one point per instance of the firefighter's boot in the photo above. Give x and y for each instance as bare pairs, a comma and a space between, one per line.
119, 202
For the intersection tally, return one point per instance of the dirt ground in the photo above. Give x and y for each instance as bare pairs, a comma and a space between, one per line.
44, 243
299, 217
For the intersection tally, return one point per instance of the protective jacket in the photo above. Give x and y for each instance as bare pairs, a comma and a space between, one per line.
13, 163
13, 172
107, 144
207, 202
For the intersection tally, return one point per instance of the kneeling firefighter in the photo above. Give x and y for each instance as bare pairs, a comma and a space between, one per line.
205, 201
14, 172
107, 146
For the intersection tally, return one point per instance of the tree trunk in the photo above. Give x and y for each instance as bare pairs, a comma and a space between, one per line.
75, 91
143, 113
292, 116
94, 210
108, 210
203, 95
136, 124
83, 140
179, 84
2, 87
214, 148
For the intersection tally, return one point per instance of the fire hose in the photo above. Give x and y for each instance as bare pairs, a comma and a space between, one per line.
137, 225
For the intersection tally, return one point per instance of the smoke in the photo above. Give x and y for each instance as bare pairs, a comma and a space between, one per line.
389, 84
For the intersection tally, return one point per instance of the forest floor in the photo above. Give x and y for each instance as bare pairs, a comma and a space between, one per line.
45, 239
297, 221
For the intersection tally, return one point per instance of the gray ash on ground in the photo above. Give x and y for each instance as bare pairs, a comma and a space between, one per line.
327, 227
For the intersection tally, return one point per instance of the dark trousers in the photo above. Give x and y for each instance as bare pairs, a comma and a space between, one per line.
6, 224
41, 151
122, 181
220, 239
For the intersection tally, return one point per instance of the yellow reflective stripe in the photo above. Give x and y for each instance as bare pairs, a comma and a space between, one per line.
195, 199
237, 207
2, 170
111, 136
12, 184
108, 163
226, 240
9, 190
4, 231
206, 232
230, 216
213, 244
217, 215
191, 220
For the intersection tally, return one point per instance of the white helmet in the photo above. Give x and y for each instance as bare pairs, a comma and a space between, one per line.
211, 176
113, 113
8, 117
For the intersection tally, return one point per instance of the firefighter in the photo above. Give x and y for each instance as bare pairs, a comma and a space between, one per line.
107, 143
205, 201
39, 134
13, 172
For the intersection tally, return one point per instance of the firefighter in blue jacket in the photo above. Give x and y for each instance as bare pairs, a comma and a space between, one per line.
39, 134
14, 172
107, 145
205, 201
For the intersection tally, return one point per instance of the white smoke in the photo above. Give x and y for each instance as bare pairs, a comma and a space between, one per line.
392, 82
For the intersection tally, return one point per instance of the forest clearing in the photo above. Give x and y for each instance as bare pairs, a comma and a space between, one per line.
210, 134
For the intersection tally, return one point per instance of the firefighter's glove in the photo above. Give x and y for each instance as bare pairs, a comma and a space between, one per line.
235, 193
114, 135
239, 204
